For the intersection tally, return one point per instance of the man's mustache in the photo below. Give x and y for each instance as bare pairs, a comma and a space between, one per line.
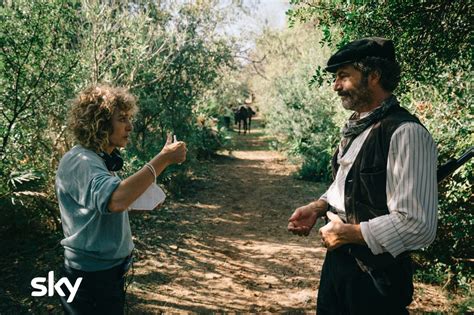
343, 93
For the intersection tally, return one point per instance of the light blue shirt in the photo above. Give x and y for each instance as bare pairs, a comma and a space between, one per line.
94, 238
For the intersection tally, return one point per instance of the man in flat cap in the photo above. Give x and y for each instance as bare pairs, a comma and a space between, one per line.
383, 202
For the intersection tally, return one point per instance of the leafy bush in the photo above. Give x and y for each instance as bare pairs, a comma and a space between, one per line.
447, 113
305, 116
38, 56
302, 117
53, 49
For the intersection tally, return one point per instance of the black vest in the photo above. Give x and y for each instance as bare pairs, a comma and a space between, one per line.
364, 194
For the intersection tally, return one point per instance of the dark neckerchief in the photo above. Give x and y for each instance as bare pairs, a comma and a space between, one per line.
355, 127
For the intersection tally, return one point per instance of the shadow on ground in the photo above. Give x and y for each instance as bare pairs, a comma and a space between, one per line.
225, 247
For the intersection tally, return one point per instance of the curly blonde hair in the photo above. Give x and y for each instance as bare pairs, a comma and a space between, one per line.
91, 113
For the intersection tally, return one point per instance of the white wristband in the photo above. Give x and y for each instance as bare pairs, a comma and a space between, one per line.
152, 169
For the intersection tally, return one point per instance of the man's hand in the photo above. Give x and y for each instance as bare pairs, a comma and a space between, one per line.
336, 233
303, 219
174, 151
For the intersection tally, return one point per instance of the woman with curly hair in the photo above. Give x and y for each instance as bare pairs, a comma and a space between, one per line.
93, 201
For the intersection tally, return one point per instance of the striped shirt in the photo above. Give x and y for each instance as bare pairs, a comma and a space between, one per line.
411, 188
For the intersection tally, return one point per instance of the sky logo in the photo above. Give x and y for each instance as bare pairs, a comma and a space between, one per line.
49, 289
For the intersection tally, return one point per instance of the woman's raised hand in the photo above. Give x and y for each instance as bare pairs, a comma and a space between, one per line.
174, 151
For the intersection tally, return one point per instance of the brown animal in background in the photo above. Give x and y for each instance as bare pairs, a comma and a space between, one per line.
243, 117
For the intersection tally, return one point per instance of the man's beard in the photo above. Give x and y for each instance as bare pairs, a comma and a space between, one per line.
357, 98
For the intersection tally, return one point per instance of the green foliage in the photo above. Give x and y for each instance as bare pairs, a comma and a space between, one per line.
448, 113
50, 50
198, 60
302, 117
433, 41
38, 54
207, 141
22, 192
123, 48
22, 184
305, 116
429, 36
437, 273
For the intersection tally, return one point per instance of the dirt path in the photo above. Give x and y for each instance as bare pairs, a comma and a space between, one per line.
229, 249
223, 248
226, 248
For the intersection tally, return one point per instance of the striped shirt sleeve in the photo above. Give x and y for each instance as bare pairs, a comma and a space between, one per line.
324, 196
412, 194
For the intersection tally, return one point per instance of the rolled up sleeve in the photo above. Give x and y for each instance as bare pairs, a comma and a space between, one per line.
101, 188
90, 184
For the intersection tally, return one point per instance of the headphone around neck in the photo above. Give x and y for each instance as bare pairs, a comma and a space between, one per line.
113, 161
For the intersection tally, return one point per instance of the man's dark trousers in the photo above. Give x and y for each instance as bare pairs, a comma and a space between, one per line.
345, 289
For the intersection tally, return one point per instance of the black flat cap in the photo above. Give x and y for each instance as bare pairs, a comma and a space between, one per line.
359, 49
